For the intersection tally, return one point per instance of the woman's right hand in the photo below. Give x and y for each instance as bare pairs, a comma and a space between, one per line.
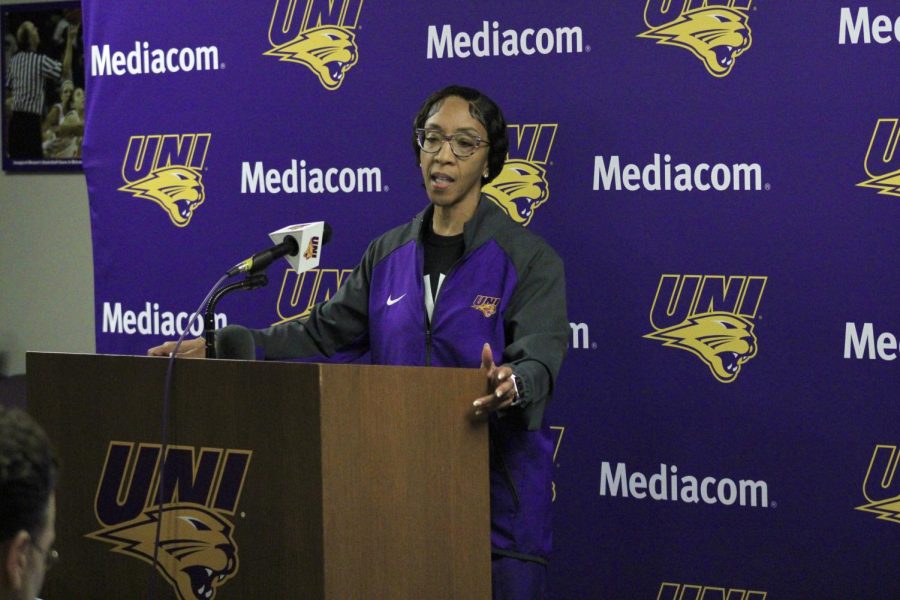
195, 348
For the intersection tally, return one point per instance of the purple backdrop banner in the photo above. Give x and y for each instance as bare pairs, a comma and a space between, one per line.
720, 179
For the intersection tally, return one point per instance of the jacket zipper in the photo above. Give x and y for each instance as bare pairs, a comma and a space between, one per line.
427, 342
420, 251
428, 322
506, 473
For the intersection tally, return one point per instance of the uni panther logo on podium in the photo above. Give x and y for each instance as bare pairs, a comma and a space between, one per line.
319, 34
714, 31
882, 159
881, 486
166, 169
710, 316
522, 186
197, 552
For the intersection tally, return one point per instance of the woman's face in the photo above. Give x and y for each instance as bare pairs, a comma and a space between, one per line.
65, 93
450, 180
78, 99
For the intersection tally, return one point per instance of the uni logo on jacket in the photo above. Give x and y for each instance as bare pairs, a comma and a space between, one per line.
522, 186
197, 552
487, 305
318, 34
166, 169
716, 32
710, 316
881, 487
882, 160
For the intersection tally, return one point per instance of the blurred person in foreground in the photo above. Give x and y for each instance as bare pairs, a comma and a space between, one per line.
445, 289
28, 472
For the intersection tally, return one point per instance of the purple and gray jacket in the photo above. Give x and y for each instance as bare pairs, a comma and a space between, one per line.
508, 289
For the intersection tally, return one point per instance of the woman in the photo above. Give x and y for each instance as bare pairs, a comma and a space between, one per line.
444, 289
64, 125
61, 108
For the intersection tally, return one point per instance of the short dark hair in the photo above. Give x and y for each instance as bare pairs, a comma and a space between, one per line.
481, 108
28, 472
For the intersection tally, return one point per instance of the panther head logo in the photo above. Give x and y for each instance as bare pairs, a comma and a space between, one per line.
519, 189
721, 340
487, 305
487, 310
196, 554
312, 249
717, 36
177, 189
327, 51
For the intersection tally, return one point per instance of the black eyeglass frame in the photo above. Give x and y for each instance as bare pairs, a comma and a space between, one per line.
422, 131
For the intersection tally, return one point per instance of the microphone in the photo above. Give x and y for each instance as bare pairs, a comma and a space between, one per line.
300, 244
261, 260
235, 342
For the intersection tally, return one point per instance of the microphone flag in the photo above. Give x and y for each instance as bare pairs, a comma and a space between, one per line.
309, 238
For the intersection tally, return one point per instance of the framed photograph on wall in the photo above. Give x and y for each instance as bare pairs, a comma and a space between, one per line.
43, 86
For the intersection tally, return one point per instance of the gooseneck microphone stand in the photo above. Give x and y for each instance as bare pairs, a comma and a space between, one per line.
250, 282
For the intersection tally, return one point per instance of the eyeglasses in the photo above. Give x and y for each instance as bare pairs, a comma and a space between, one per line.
463, 145
51, 556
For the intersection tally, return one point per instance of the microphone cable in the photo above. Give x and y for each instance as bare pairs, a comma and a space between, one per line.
165, 433
267, 257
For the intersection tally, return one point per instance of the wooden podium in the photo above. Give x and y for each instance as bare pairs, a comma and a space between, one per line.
280, 480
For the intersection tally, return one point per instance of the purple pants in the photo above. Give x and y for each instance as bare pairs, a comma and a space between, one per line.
515, 579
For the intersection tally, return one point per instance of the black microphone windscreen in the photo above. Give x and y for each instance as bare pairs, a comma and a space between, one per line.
326, 234
292, 242
235, 342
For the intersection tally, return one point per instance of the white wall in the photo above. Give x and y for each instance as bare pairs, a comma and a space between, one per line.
46, 266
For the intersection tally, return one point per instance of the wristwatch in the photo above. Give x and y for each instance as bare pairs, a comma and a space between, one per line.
519, 389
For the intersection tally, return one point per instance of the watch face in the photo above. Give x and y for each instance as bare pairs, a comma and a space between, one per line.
517, 385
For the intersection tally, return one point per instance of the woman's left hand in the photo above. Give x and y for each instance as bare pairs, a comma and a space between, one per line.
503, 391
